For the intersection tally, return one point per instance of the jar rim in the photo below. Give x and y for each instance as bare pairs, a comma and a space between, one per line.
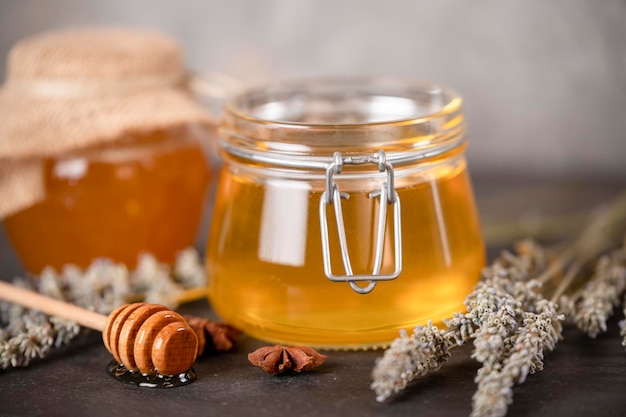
343, 114
453, 103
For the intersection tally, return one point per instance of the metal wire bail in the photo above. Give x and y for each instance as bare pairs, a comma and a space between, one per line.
388, 195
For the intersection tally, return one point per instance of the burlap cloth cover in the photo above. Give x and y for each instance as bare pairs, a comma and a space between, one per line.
73, 89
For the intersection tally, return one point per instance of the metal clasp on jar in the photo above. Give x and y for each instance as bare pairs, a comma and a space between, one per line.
388, 196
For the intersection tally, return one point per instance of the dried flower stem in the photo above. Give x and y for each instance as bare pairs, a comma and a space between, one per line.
27, 334
601, 294
103, 286
410, 357
604, 228
510, 321
571, 274
491, 310
521, 354
558, 264
622, 323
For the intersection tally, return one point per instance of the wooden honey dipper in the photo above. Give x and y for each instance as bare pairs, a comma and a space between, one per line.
146, 338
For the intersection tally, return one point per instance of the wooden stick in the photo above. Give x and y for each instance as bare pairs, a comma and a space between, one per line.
165, 342
31, 299
192, 294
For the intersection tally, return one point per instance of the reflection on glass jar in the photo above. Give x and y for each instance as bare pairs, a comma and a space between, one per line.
145, 193
299, 251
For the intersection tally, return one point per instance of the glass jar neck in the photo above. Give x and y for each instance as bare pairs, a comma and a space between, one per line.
304, 123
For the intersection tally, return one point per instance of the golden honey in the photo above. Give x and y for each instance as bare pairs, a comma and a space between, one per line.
145, 193
265, 253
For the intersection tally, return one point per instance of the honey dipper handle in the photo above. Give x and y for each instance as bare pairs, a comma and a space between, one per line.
31, 299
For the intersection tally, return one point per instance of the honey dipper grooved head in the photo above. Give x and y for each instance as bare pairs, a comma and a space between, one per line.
150, 338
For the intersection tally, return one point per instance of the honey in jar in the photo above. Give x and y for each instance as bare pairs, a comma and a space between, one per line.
344, 212
145, 194
104, 150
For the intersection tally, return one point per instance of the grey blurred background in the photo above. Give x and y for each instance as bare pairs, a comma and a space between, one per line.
544, 82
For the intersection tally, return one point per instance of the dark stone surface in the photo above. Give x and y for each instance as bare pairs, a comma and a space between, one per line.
582, 377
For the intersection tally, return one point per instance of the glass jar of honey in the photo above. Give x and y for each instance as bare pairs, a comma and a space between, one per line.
145, 193
344, 211
104, 149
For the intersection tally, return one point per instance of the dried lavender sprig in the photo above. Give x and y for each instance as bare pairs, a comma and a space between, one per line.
409, 357
29, 334
502, 340
505, 274
622, 324
567, 307
496, 339
490, 339
601, 294
522, 354
503, 283
502, 290
153, 279
596, 237
189, 269
104, 285
487, 298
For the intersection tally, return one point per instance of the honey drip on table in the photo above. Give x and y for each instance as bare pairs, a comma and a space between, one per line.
121, 374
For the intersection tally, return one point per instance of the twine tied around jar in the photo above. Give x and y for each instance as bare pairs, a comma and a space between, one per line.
70, 90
